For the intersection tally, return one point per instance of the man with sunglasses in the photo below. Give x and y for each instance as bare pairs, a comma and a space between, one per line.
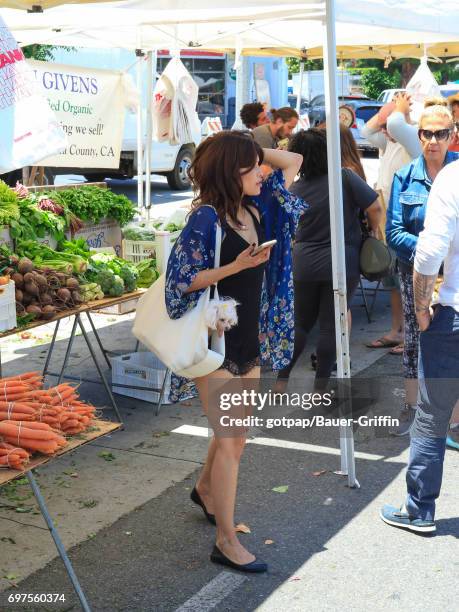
405, 221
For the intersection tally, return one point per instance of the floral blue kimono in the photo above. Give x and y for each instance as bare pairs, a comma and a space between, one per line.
279, 211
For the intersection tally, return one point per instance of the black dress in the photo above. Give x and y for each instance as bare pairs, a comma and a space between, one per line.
242, 344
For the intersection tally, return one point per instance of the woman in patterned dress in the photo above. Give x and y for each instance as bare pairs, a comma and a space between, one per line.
230, 191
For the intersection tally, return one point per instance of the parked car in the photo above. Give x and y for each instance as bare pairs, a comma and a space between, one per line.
388, 94
363, 107
450, 89
304, 106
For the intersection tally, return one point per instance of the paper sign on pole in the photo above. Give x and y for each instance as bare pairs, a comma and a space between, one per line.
29, 129
90, 106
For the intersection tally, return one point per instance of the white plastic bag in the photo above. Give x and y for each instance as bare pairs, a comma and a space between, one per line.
174, 105
422, 85
29, 130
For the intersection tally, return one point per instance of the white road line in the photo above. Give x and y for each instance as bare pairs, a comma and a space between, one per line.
213, 593
203, 432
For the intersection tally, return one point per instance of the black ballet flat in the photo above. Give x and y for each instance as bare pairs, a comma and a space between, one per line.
255, 567
196, 498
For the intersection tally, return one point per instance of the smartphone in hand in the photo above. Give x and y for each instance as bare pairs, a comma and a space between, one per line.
264, 245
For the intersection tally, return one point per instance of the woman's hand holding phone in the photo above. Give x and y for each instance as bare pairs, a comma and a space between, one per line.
246, 259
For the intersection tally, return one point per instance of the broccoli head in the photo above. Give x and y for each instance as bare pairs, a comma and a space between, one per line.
117, 287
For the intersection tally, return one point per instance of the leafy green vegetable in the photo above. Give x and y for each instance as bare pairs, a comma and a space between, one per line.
43, 256
77, 246
92, 203
147, 273
9, 208
137, 232
125, 270
34, 223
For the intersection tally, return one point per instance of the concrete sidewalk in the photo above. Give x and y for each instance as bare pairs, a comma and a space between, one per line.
137, 543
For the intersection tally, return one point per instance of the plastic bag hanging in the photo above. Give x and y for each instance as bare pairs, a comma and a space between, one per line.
422, 85
174, 105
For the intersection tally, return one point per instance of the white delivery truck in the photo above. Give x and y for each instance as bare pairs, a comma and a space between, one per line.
172, 161
169, 160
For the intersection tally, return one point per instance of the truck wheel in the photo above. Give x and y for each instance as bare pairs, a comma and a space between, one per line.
178, 179
95, 178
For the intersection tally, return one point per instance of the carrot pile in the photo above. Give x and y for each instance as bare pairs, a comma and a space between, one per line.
12, 456
34, 419
32, 436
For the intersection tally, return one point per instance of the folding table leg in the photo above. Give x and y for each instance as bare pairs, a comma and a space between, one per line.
68, 350
99, 341
51, 348
57, 541
364, 297
375, 295
96, 363
163, 388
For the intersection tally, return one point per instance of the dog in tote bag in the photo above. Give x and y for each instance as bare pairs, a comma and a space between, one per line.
181, 344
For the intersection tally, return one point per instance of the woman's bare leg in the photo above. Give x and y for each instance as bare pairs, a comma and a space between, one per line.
223, 465
203, 482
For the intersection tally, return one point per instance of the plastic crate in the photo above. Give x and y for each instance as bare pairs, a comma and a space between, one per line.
138, 250
164, 242
7, 307
142, 369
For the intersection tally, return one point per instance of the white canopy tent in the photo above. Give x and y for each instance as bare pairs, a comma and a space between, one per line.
231, 24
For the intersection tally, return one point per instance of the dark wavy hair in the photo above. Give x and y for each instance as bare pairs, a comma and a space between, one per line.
249, 114
350, 157
312, 145
216, 171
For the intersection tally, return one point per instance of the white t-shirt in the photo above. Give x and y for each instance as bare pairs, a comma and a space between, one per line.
439, 240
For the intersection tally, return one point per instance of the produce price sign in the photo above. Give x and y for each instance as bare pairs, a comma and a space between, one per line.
29, 130
90, 106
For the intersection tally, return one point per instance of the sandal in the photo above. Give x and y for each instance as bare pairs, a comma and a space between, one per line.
397, 350
383, 342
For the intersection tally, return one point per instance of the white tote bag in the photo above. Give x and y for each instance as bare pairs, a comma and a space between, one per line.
181, 344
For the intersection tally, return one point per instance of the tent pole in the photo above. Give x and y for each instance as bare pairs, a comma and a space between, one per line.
300, 93
337, 231
139, 73
242, 89
149, 130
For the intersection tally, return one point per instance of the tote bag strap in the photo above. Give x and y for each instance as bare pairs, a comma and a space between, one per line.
218, 245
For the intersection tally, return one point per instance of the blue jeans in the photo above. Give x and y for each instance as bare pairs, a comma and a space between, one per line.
439, 392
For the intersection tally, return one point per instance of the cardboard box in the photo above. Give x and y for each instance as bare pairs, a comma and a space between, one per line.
106, 233
120, 309
5, 236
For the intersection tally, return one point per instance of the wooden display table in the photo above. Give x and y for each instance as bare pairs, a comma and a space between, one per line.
99, 428
76, 314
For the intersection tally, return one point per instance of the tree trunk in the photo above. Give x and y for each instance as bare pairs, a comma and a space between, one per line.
408, 69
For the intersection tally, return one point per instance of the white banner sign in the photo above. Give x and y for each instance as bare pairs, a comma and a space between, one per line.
29, 129
90, 106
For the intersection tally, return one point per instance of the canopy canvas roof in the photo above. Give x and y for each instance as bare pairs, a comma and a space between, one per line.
263, 27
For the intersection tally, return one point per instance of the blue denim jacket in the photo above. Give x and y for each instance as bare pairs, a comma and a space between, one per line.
407, 207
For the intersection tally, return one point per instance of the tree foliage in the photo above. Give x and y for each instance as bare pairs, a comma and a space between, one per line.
43, 53
293, 64
374, 81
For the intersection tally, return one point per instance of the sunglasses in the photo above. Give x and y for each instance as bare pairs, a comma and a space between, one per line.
439, 134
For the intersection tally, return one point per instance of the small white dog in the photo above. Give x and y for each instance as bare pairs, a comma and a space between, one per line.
221, 312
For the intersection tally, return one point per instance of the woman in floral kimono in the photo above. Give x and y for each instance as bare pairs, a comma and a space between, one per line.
230, 191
